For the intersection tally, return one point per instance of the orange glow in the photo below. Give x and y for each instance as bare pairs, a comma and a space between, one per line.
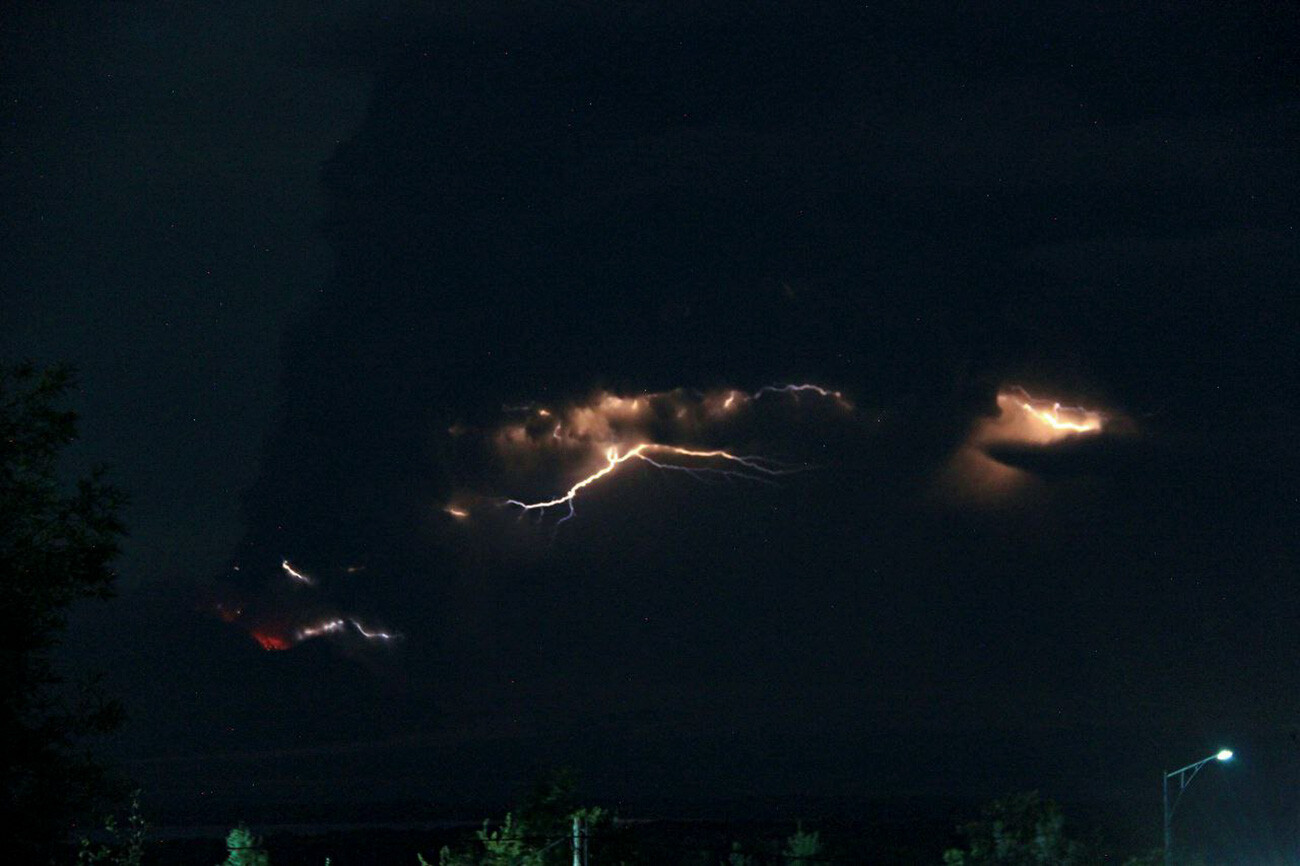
1026, 420
1063, 419
458, 513
609, 419
1022, 421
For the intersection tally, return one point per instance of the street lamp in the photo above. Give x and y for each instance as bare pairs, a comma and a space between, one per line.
1185, 776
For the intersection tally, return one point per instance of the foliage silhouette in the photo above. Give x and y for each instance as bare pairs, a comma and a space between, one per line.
1021, 830
244, 849
56, 547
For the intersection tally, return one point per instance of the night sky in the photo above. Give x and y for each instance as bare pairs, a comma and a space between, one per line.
317, 261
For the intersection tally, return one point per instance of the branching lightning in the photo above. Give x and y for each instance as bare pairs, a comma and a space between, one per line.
657, 428
755, 469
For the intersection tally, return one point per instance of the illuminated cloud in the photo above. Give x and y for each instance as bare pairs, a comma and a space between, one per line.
613, 419
1023, 419
671, 430
1023, 423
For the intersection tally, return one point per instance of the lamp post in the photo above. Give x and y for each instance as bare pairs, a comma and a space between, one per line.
1185, 776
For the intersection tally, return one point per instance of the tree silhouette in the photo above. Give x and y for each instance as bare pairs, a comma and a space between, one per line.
57, 543
1021, 830
244, 849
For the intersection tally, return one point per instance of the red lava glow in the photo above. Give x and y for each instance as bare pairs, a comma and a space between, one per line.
271, 642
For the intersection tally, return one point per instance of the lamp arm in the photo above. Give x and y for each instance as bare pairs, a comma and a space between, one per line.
1185, 780
1194, 766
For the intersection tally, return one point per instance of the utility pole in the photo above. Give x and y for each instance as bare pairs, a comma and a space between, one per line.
581, 833
1168, 818
1184, 776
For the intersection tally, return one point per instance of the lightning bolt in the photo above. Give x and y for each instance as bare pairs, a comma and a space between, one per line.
611, 425
372, 635
797, 389
331, 626
298, 576
1066, 419
754, 469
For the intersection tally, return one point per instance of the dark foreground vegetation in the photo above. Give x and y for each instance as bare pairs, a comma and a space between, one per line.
58, 541
1022, 830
